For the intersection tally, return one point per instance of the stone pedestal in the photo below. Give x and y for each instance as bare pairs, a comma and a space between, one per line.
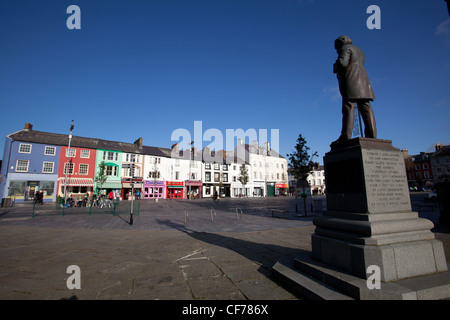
369, 221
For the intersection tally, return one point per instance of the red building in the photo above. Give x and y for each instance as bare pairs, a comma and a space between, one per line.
80, 166
418, 170
174, 190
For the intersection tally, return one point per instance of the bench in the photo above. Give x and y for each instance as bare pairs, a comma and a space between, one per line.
420, 206
277, 210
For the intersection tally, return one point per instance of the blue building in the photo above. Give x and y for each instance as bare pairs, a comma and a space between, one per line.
29, 165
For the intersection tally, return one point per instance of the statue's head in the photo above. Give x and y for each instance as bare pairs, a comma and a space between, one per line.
342, 40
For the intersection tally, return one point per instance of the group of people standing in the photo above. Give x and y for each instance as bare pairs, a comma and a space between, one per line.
39, 197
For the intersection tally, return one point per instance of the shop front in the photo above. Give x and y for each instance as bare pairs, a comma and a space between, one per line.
258, 188
174, 190
282, 189
153, 189
193, 189
131, 188
23, 187
77, 187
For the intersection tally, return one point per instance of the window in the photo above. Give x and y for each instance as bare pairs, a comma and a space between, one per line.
177, 175
68, 168
50, 151
225, 177
70, 153
24, 148
22, 165
208, 176
109, 155
111, 171
216, 177
84, 169
208, 166
426, 174
225, 167
85, 154
216, 166
47, 167
419, 175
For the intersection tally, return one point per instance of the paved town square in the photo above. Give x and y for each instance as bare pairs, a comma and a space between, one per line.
174, 250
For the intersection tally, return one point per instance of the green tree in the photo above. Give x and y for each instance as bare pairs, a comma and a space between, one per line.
101, 176
301, 163
243, 176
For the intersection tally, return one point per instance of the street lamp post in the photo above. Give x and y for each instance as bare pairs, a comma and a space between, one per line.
189, 179
132, 198
67, 162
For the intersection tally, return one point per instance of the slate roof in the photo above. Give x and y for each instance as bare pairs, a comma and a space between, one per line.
57, 139
444, 151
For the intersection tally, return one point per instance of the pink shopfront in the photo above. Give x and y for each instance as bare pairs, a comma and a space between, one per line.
153, 190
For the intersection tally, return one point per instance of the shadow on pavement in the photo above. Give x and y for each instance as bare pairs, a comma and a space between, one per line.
265, 255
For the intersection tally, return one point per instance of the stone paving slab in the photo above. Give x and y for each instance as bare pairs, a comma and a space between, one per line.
161, 256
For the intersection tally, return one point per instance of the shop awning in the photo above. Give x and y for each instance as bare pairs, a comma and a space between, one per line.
282, 185
128, 185
77, 182
111, 185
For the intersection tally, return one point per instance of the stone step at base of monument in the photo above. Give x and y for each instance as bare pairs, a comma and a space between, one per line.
314, 280
304, 285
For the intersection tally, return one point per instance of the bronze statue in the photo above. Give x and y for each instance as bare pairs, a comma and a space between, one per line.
355, 88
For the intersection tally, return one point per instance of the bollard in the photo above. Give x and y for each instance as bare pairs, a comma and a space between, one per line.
33, 210
185, 216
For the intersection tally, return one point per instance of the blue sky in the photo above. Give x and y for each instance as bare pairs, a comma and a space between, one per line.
146, 68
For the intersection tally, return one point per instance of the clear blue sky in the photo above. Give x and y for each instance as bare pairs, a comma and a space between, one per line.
146, 68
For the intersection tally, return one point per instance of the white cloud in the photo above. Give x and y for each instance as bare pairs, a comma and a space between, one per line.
332, 92
443, 28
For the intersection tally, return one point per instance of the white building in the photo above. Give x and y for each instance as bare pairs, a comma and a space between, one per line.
267, 169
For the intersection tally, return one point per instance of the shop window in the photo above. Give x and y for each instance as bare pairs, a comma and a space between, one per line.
47, 187
16, 188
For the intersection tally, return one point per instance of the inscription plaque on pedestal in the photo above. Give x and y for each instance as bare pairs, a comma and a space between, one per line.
385, 181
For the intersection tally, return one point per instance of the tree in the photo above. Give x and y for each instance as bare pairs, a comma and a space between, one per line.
301, 163
101, 176
243, 176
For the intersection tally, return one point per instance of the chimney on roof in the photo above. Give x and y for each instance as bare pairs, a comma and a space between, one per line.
28, 126
139, 143
438, 146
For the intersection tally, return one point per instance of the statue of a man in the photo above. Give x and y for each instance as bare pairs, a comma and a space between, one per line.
355, 88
